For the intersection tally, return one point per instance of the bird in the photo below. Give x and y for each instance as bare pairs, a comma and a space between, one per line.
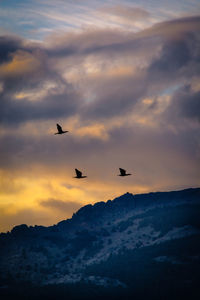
79, 174
60, 131
123, 172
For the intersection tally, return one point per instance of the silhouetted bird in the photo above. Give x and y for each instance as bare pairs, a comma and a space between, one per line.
123, 172
79, 174
60, 131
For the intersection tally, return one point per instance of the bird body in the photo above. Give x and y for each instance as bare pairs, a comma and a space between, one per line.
123, 172
60, 131
79, 174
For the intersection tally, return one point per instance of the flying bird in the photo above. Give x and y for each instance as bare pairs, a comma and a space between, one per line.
79, 174
60, 131
123, 172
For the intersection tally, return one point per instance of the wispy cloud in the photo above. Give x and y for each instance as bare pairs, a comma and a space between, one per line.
48, 16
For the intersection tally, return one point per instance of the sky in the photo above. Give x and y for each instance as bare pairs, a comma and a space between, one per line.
123, 77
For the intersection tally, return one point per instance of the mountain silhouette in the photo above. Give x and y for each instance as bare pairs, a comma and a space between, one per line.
143, 246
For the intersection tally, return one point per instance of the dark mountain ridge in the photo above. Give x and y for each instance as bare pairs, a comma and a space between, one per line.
124, 203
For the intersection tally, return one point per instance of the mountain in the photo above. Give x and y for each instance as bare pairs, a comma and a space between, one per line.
133, 247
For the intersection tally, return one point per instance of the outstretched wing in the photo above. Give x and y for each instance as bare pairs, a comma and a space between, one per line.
78, 173
59, 128
122, 171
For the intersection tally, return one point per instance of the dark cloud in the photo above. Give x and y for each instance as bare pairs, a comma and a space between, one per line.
15, 112
174, 55
92, 42
191, 105
27, 72
178, 58
24, 216
68, 206
114, 95
185, 104
8, 45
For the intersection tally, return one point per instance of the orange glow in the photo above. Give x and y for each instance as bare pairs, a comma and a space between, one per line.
22, 62
25, 194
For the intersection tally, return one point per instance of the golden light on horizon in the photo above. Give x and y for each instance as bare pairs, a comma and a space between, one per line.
50, 196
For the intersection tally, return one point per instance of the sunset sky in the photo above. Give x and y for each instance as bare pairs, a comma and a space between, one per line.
122, 76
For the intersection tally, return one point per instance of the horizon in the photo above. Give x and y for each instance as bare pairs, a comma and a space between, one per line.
122, 77
92, 204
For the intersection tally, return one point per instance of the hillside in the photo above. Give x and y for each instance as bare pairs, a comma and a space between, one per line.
134, 246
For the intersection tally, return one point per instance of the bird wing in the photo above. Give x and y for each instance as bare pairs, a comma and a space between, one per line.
59, 128
122, 171
78, 173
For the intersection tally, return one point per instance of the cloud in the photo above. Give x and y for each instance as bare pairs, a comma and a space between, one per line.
178, 57
8, 46
25, 74
63, 206
185, 104
51, 107
24, 216
126, 12
64, 15
80, 66
128, 99
9, 185
74, 75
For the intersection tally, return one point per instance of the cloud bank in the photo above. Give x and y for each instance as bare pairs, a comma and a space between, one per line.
128, 99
